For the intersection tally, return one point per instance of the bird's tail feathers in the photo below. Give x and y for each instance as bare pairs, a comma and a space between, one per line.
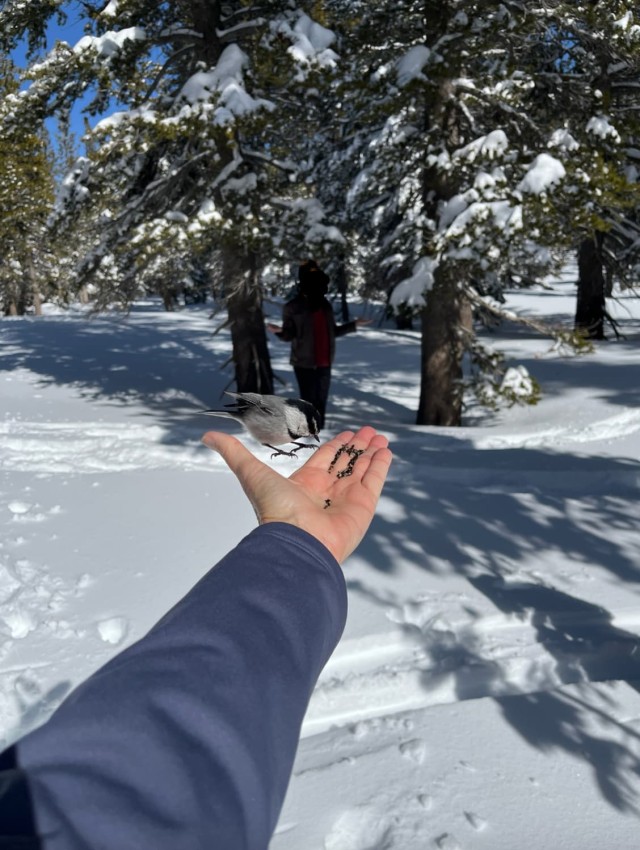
225, 413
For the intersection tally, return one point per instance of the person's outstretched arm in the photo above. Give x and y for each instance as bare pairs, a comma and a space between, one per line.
186, 739
288, 331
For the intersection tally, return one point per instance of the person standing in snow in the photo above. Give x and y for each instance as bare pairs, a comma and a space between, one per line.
186, 739
309, 325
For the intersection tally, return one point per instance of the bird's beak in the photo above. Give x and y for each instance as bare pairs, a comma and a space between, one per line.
317, 436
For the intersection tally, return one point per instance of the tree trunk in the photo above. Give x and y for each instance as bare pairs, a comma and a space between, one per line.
590, 308
246, 319
446, 320
15, 303
33, 287
168, 300
340, 278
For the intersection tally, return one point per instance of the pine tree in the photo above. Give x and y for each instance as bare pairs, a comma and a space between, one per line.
26, 197
486, 148
192, 159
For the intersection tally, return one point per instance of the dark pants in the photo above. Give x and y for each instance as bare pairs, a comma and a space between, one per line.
314, 387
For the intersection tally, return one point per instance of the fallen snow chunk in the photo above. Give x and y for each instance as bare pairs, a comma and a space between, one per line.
360, 828
113, 630
19, 623
19, 507
544, 172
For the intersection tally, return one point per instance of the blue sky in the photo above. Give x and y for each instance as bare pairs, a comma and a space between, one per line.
70, 32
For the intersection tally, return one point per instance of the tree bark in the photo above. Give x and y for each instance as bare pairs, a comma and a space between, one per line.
15, 301
590, 308
340, 278
168, 300
33, 285
253, 373
446, 320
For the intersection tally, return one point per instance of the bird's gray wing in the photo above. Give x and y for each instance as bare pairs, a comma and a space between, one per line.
250, 399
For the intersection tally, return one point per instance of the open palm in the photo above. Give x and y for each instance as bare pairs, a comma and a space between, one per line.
335, 509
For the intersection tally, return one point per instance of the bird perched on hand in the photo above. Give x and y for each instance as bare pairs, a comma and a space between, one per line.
274, 421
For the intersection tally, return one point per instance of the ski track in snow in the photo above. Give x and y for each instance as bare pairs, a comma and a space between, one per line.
90, 447
441, 662
613, 427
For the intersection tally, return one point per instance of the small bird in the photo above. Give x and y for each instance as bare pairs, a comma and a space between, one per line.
274, 421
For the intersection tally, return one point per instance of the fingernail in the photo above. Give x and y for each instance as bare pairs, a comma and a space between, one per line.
209, 442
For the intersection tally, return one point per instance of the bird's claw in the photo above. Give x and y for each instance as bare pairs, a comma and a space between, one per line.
293, 452
280, 453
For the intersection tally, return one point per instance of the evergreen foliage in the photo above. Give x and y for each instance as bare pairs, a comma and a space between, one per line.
26, 196
436, 152
490, 139
197, 157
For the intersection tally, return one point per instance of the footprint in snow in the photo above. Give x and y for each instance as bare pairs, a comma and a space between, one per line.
446, 841
426, 801
19, 622
414, 750
475, 821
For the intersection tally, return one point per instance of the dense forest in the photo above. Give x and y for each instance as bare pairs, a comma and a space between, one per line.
427, 154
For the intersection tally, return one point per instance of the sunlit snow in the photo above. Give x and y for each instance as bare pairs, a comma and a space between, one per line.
484, 693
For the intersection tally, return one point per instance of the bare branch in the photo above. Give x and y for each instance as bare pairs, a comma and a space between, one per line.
543, 328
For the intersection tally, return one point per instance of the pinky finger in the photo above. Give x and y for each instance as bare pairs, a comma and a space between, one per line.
376, 473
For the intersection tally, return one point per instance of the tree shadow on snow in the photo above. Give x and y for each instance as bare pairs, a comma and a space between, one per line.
169, 366
586, 646
491, 517
613, 381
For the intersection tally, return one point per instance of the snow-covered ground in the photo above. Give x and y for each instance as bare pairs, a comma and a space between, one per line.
485, 692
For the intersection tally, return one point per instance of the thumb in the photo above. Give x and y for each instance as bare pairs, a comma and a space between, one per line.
237, 457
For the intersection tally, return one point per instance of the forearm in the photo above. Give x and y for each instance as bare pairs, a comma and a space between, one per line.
187, 738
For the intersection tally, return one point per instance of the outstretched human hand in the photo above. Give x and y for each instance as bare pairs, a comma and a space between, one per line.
335, 509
